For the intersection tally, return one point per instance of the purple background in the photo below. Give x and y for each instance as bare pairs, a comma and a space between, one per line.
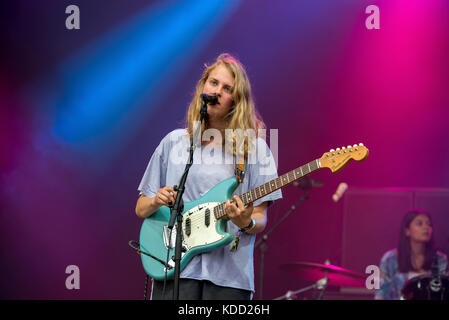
79, 121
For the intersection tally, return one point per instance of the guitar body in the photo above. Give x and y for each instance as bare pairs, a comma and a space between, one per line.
202, 232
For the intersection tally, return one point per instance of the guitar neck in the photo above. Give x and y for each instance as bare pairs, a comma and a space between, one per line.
271, 186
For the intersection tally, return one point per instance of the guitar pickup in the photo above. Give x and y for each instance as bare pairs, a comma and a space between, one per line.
207, 217
188, 226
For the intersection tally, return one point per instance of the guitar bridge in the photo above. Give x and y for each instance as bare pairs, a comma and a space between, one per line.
169, 242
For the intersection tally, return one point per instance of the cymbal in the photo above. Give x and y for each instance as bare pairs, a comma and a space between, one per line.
336, 276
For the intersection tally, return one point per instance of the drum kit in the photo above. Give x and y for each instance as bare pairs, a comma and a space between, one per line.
423, 287
426, 287
432, 286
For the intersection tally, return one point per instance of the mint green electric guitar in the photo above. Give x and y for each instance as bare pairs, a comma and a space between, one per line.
204, 220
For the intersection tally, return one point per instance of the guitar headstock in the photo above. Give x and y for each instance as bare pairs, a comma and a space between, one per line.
337, 159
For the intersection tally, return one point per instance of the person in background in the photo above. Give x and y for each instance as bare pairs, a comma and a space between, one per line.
414, 255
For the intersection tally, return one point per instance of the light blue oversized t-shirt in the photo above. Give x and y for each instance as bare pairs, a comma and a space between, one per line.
211, 166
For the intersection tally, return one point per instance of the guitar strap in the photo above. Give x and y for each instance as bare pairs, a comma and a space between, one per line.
240, 167
240, 170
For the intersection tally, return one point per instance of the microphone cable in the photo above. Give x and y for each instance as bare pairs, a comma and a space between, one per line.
132, 244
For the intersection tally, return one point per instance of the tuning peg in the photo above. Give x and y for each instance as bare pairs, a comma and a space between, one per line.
343, 148
354, 146
361, 144
332, 150
349, 147
338, 149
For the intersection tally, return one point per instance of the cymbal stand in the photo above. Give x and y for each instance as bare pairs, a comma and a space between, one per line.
323, 286
263, 240
290, 295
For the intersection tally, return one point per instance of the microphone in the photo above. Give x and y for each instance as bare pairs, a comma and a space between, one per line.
339, 192
212, 100
307, 183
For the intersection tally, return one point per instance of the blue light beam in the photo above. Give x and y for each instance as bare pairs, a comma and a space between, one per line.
102, 86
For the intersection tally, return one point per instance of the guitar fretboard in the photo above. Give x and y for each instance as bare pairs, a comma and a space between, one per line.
271, 186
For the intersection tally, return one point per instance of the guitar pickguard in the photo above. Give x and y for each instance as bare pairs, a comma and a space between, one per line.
199, 226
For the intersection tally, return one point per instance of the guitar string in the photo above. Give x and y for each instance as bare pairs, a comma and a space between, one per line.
282, 179
200, 218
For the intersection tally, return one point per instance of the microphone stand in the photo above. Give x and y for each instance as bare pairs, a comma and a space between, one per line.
262, 241
435, 292
178, 207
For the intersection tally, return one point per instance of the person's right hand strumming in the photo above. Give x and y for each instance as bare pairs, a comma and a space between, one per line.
145, 206
165, 196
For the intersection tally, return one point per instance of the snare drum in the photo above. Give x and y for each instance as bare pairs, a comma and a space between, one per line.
426, 287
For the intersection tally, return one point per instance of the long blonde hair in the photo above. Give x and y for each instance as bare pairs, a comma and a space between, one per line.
243, 115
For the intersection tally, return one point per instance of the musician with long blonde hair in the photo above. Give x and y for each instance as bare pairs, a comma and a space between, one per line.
231, 131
